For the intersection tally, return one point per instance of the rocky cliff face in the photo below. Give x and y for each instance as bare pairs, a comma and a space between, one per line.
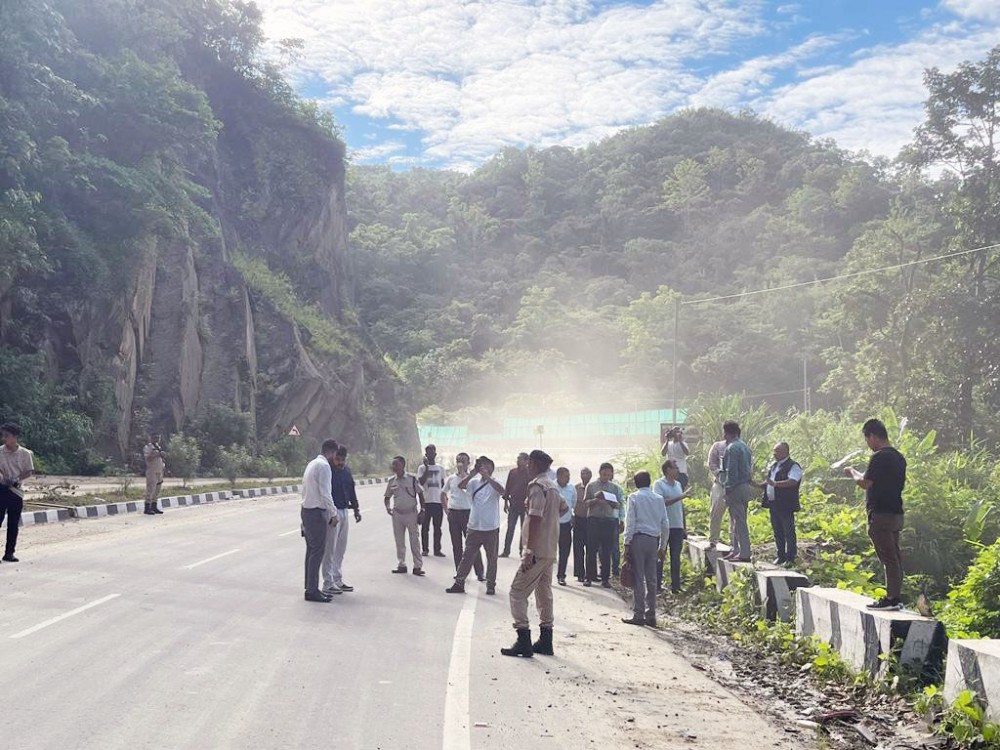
188, 331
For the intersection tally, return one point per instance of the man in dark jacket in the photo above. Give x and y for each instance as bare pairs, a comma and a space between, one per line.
345, 497
514, 498
781, 498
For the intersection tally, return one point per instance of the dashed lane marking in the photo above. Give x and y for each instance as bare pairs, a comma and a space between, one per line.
64, 616
210, 559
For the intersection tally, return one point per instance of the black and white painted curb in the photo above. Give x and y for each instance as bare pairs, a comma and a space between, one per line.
101, 510
53, 515
776, 592
975, 665
870, 640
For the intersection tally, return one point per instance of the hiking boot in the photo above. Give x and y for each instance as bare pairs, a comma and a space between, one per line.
544, 643
522, 646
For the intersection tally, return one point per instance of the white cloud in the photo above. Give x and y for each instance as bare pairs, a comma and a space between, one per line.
987, 10
876, 100
378, 152
471, 76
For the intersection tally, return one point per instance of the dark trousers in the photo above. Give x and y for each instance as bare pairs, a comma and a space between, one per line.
314, 522
11, 506
682, 478
580, 546
514, 514
458, 528
602, 535
883, 530
488, 541
616, 552
565, 545
432, 514
783, 524
675, 543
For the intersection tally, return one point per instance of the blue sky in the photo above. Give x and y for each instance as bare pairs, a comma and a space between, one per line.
448, 83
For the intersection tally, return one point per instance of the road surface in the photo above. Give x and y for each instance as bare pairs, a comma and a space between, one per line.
189, 630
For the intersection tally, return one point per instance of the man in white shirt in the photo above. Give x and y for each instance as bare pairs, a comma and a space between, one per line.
318, 511
677, 451
458, 501
484, 525
430, 475
568, 492
646, 531
16, 465
717, 496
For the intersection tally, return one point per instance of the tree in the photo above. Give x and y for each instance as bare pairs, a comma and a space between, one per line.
234, 462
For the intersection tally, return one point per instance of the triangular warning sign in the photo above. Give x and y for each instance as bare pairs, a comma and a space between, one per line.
294, 431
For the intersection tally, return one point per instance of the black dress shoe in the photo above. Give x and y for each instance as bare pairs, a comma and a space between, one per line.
439, 553
505, 553
10, 558
317, 597
588, 583
481, 579
418, 572
456, 588
399, 569
640, 621
606, 584
425, 553
651, 621
562, 581
491, 590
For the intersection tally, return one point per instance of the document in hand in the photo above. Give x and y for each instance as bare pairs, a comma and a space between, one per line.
610, 497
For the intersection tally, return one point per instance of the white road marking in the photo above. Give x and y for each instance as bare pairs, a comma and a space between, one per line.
456, 699
60, 618
289, 533
210, 559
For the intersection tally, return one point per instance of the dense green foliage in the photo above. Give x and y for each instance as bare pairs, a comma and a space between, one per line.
548, 278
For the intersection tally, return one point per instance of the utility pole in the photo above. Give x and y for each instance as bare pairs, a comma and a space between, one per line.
805, 384
673, 388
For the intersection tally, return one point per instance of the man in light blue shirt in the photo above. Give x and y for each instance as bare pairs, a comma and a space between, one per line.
568, 493
646, 532
671, 489
735, 478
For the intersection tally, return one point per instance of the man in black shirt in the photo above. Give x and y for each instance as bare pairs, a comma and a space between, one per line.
883, 483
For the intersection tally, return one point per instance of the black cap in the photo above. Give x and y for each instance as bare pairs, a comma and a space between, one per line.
541, 457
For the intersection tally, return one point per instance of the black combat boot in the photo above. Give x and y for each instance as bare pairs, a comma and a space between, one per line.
544, 643
149, 510
521, 647
155, 507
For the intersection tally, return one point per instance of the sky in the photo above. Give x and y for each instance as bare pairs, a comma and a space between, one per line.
449, 83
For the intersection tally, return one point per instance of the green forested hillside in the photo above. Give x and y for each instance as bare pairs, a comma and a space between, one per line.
172, 239
548, 278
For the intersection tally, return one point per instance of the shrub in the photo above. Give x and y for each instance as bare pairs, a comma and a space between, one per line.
183, 456
973, 606
233, 462
266, 467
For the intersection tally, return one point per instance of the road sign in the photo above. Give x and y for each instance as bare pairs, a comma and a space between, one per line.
294, 432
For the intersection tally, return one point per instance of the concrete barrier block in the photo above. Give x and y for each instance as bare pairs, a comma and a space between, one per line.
50, 515
871, 640
703, 557
776, 589
975, 665
725, 569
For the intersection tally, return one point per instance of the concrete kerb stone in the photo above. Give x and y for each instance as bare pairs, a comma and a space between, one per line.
975, 665
703, 557
99, 510
726, 569
871, 640
776, 591
51, 515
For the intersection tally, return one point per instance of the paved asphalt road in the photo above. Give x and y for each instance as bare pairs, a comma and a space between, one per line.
189, 631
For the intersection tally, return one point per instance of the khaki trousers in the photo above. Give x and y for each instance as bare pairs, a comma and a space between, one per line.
403, 524
538, 580
716, 512
153, 481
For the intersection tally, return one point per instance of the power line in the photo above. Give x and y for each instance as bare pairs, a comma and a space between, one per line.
851, 275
